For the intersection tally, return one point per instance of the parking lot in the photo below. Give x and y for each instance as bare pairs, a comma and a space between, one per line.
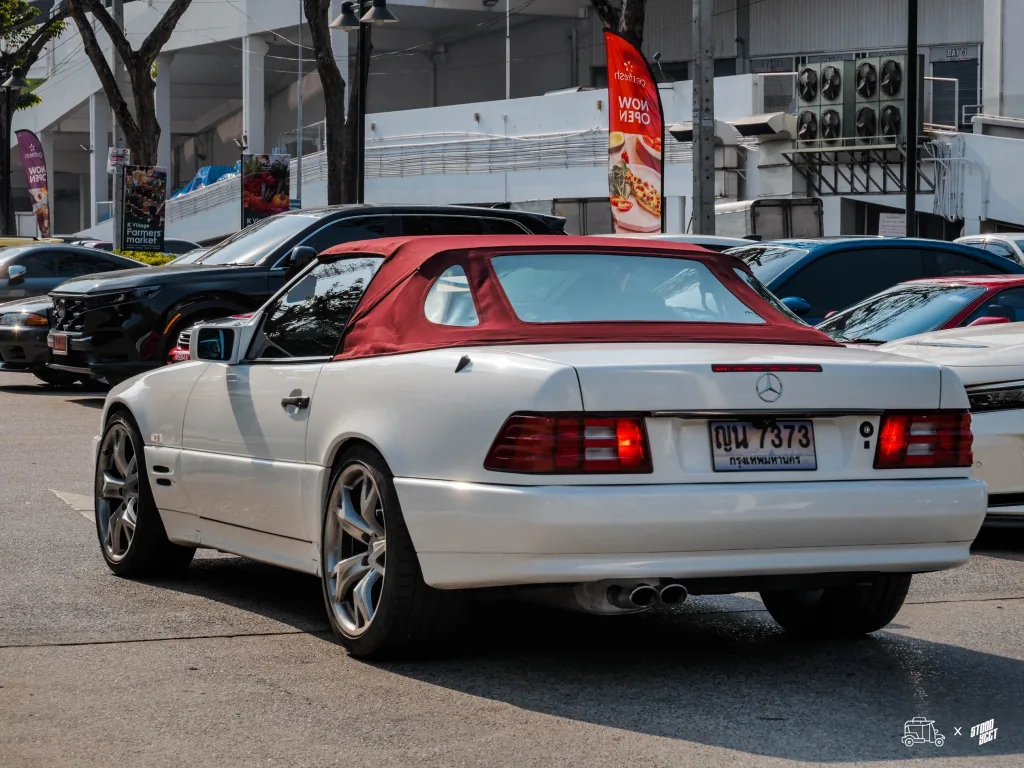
234, 664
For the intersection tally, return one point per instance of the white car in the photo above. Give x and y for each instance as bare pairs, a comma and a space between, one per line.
989, 360
1009, 246
609, 424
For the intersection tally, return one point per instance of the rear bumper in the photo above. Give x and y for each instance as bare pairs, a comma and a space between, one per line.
474, 535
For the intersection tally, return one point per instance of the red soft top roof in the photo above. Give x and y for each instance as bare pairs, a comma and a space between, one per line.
390, 318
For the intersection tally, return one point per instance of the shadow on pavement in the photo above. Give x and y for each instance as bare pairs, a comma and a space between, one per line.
1004, 543
89, 402
715, 671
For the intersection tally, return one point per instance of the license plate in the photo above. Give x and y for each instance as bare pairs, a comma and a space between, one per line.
743, 446
60, 344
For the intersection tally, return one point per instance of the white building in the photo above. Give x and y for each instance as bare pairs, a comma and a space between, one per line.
441, 130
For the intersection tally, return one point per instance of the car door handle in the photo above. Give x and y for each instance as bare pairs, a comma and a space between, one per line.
299, 402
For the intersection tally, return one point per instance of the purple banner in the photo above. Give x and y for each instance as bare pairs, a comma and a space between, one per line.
34, 162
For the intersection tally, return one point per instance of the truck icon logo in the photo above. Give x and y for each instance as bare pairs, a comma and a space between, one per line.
921, 730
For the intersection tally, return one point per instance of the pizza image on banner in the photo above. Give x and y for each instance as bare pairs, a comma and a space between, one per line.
145, 195
635, 130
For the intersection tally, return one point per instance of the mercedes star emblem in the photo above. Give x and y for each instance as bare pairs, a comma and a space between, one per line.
769, 388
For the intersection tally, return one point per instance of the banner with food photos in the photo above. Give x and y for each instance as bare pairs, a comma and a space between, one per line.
145, 196
33, 159
266, 187
636, 128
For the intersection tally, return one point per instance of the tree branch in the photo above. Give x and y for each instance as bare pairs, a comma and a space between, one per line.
28, 53
161, 33
115, 33
631, 21
102, 67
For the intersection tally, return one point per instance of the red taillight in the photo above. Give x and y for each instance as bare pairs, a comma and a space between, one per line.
767, 368
936, 439
570, 445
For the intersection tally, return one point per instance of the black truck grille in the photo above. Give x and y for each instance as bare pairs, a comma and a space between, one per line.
67, 312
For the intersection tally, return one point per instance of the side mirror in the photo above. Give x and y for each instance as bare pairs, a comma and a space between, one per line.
798, 306
299, 257
990, 321
215, 344
16, 273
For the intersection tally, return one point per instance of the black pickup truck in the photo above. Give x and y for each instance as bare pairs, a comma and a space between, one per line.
115, 326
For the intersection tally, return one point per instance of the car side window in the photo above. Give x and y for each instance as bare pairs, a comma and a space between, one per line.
949, 264
999, 249
40, 264
418, 226
348, 231
1008, 304
838, 280
78, 264
450, 300
504, 227
308, 320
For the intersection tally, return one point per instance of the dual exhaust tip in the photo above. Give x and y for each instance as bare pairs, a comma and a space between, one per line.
645, 596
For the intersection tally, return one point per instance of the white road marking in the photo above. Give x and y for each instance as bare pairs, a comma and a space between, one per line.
83, 505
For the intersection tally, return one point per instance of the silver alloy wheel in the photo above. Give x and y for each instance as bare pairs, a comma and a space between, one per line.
117, 502
355, 548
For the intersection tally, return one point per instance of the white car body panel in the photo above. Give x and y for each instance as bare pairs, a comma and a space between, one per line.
983, 355
244, 475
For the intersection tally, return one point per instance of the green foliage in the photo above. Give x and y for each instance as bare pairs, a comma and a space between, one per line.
153, 259
20, 42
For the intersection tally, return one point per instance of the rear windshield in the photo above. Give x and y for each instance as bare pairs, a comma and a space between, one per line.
768, 262
587, 287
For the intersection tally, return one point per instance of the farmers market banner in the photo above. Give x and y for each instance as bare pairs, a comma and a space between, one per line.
34, 161
145, 194
636, 127
266, 187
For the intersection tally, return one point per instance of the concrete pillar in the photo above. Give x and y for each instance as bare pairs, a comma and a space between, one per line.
46, 139
99, 144
84, 220
254, 104
163, 109
340, 46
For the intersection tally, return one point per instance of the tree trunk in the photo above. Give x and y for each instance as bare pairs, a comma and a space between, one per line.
626, 20
333, 84
146, 141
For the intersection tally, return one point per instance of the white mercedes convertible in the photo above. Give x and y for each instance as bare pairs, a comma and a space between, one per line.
605, 424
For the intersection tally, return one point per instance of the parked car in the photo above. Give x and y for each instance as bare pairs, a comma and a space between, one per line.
990, 362
34, 270
12, 241
171, 245
816, 277
24, 325
920, 306
711, 242
620, 422
114, 328
1009, 246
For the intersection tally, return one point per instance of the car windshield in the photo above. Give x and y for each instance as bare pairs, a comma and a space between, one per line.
768, 261
902, 311
191, 257
587, 287
257, 241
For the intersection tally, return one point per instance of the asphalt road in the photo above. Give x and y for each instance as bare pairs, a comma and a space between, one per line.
233, 664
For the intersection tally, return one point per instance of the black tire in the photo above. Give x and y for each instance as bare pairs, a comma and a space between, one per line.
147, 552
56, 378
410, 617
847, 611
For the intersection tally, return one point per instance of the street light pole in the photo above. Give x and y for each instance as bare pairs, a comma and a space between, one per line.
378, 13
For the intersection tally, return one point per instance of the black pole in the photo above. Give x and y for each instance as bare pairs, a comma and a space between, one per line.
362, 43
7, 163
912, 118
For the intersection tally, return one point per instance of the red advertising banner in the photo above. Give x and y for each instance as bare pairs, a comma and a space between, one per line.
636, 128
34, 162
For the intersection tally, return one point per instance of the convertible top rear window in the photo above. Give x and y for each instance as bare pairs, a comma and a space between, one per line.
608, 287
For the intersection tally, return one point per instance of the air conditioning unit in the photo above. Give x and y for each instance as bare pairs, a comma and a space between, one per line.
808, 104
836, 80
892, 97
866, 100
807, 126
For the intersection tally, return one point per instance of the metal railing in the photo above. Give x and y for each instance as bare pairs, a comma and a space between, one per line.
314, 139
